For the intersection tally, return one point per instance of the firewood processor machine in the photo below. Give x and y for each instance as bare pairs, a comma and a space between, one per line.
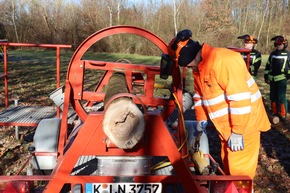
125, 137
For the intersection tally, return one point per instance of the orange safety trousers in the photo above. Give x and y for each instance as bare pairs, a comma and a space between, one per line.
282, 109
274, 107
278, 97
242, 162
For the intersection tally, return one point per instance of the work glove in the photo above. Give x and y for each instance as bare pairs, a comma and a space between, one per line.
236, 142
187, 101
201, 125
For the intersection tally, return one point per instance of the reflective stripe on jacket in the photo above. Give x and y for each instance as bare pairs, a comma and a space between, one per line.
277, 66
255, 61
226, 93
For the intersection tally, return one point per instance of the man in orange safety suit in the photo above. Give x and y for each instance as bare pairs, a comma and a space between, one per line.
227, 94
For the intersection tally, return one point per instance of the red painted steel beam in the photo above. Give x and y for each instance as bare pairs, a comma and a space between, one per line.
26, 178
77, 65
157, 142
6, 77
11, 44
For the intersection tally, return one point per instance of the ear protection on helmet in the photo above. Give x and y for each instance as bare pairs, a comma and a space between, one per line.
181, 38
279, 40
182, 49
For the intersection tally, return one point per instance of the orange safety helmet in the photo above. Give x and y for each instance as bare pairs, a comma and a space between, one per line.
249, 39
279, 40
183, 49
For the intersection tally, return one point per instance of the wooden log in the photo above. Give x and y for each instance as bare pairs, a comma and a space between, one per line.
274, 119
123, 123
117, 84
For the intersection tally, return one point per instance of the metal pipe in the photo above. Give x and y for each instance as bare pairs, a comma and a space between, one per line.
58, 76
16, 127
6, 77
5, 44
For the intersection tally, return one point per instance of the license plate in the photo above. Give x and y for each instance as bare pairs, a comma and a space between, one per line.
123, 188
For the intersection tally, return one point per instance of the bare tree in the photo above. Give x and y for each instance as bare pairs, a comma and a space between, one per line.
269, 21
110, 6
217, 22
118, 11
265, 11
176, 7
14, 18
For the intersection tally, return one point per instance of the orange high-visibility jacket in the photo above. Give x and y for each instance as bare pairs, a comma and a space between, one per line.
226, 93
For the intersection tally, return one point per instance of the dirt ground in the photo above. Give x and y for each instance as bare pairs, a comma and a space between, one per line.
274, 159
272, 172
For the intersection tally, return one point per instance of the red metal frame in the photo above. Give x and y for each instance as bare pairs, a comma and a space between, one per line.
90, 138
77, 65
5, 73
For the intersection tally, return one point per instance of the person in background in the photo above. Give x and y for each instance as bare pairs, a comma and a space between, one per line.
255, 55
227, 94
276, 73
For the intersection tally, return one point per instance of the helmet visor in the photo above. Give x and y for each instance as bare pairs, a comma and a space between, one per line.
250, 39
280, 41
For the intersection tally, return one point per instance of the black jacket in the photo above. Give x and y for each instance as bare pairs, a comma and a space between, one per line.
278, 66
255, 61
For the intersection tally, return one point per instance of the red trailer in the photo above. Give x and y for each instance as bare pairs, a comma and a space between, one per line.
86, 159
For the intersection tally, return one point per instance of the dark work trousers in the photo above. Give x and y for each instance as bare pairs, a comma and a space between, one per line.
278, 97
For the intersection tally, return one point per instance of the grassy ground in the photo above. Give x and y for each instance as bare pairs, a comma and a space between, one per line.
32, 77
32, 73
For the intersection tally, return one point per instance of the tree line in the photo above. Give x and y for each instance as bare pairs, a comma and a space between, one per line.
217, 22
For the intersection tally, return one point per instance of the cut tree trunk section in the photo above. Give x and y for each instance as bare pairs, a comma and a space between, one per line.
124, 122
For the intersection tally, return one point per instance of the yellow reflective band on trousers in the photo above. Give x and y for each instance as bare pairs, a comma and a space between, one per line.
276, 78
